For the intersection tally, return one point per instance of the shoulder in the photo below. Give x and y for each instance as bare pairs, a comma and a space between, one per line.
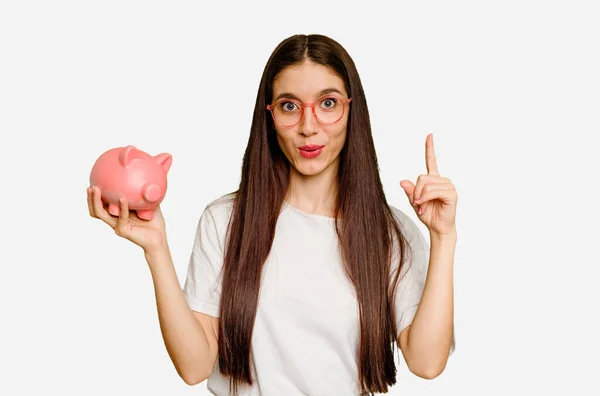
416, 254
216, 214
221, 207
409, 229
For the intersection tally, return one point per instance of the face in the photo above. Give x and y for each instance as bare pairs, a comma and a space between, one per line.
306, 83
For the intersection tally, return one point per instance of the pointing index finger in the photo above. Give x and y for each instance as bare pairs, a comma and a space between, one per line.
430, 159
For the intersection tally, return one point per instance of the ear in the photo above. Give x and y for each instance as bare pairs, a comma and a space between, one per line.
126, 155
165, 160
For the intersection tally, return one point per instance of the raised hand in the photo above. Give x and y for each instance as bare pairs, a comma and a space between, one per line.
150, 235
434, 198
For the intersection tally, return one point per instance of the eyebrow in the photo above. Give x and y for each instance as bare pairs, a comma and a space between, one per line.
288, 95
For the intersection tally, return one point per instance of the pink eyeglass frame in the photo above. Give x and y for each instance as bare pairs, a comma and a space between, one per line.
303, 105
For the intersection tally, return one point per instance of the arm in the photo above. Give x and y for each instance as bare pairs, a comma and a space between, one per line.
190, 337
425, 343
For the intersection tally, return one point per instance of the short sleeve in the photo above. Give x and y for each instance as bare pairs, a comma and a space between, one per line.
202, 288
413, 274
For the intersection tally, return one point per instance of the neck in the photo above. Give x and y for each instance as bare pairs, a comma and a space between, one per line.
314, 194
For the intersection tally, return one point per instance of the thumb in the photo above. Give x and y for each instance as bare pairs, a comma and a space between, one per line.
408, 188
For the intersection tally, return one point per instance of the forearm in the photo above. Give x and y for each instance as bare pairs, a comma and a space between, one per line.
183, 335
430, 334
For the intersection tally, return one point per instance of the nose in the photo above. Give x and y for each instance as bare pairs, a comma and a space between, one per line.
308, 125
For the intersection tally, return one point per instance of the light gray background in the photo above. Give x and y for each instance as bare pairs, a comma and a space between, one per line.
509, 89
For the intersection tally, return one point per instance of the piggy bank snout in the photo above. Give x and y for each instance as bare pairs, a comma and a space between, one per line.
152, 192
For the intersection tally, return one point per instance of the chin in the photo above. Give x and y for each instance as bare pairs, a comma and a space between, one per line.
311, 169
309, 172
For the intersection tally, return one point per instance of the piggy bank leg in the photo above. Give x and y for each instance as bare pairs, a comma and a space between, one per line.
114, 209
145, 214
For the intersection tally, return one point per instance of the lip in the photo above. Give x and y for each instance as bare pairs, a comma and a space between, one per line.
311, 147
311, 150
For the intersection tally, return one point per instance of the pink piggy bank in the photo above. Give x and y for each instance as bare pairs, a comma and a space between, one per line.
133, 174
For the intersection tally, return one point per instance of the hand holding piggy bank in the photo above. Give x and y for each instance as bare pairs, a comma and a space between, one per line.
133, 174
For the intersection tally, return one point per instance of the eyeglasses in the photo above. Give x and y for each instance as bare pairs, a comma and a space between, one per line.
289, 112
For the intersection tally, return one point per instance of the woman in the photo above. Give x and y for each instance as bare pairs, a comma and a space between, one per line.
301, 281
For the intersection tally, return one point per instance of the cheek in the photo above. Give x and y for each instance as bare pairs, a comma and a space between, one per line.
285, 141
337, 137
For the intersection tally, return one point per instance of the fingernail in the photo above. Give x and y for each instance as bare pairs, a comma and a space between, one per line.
420, 210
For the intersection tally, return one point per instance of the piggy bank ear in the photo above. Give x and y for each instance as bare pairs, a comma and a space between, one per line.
127, 154
165, 160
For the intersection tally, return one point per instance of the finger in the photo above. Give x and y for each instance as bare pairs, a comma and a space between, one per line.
90, 201
444, 192
100, 211
123, 219
430, 159
424, 180
408, 188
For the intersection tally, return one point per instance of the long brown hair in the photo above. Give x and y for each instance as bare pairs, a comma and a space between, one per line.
366, 233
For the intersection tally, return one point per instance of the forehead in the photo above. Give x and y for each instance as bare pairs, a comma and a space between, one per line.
306, 80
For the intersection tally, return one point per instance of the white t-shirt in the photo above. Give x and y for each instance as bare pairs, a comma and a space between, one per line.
305, 337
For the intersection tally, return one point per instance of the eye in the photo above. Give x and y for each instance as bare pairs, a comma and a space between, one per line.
329, 103
288, 106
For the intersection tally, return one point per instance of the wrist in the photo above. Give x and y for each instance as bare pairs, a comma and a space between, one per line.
157, 252
450, 236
